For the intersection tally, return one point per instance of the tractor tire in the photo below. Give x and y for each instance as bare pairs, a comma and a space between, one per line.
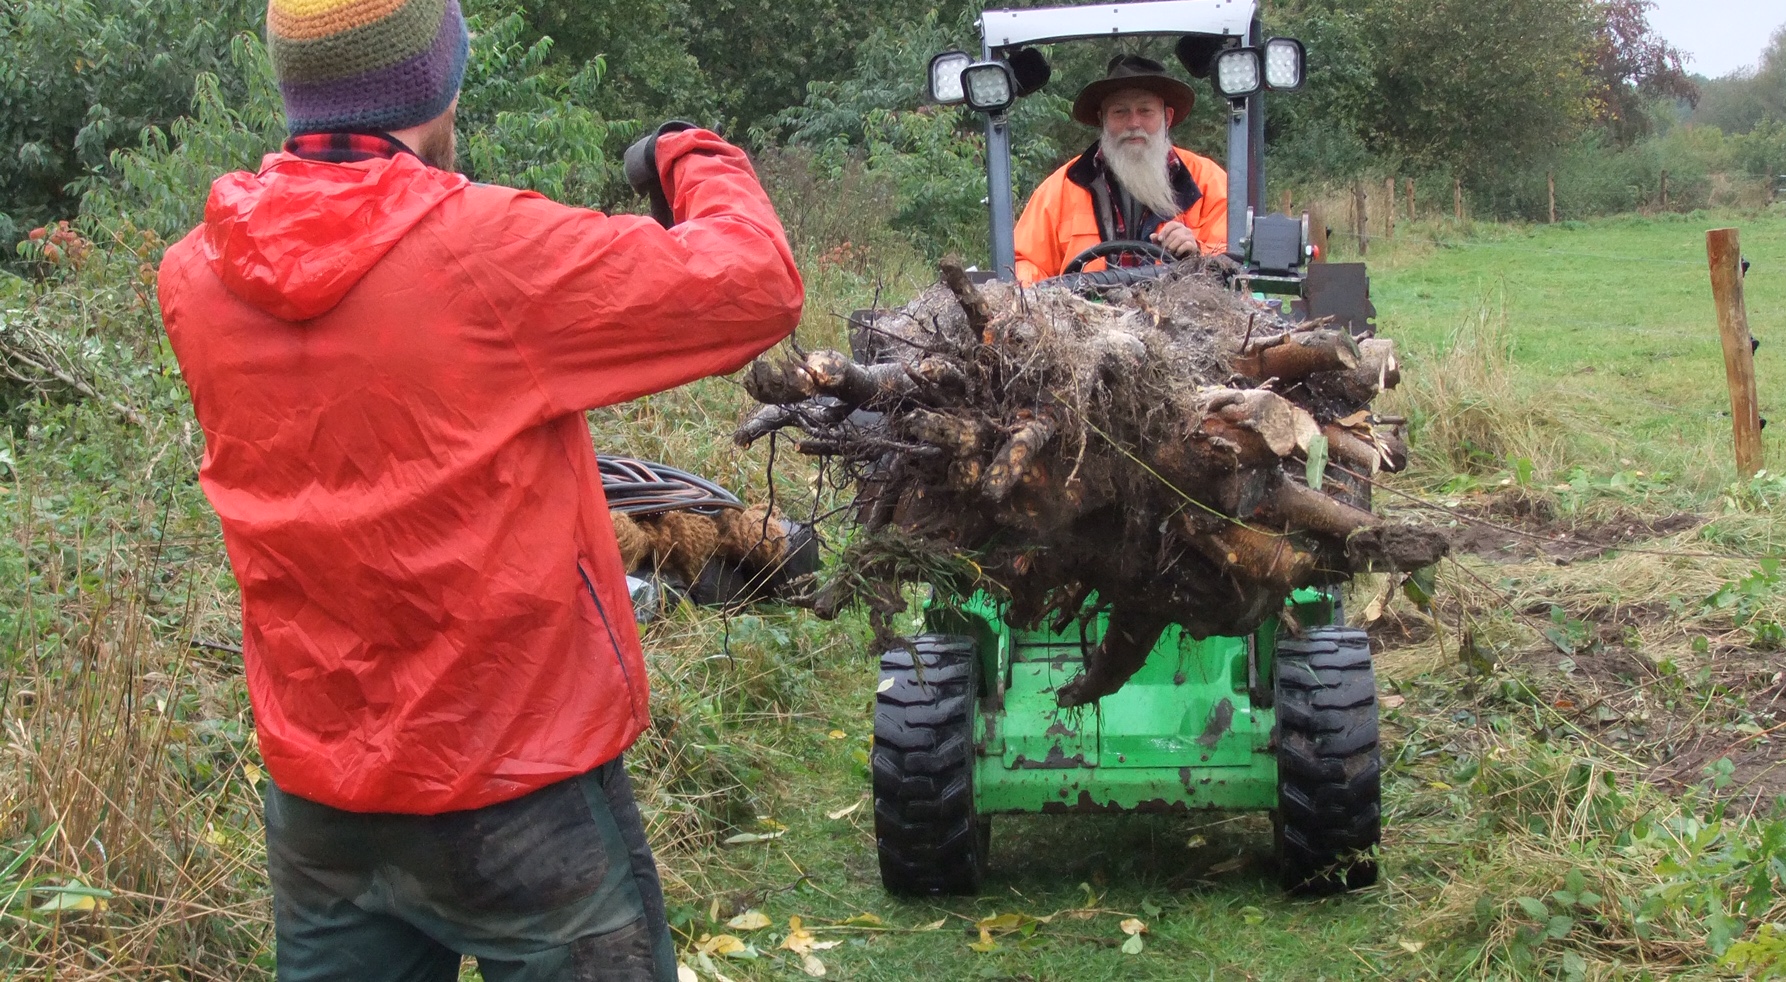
1329, 816
930, 839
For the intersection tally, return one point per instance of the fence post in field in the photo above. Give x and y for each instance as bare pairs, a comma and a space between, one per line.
1457, 196
1287, 202
1552, 176
1361, 217
1317, 232
1724, 251
1664, 190
1412, 215
1389, 208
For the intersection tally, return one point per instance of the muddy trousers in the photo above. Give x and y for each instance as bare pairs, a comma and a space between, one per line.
556, 886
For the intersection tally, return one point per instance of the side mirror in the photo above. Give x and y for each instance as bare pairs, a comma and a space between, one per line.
989, 86
1285, 64
1031, 68
945, 77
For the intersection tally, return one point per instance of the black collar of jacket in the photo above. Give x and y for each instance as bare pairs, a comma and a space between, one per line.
1089, 166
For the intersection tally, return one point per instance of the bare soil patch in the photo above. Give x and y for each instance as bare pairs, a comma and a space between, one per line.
1518, 527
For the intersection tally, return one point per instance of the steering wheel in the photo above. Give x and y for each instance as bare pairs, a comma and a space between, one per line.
1117, 247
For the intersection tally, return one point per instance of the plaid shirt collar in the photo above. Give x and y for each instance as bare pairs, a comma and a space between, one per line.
345, 148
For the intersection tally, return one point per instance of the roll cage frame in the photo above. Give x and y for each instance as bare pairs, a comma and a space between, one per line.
1002, 31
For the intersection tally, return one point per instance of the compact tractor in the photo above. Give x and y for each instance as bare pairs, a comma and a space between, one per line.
1283, 719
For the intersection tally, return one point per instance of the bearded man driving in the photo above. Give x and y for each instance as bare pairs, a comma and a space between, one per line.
1131, 184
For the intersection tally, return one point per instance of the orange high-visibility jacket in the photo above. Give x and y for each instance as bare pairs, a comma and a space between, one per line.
391, 365
1060, 220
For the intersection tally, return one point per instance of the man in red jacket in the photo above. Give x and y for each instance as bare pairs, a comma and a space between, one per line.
391, 365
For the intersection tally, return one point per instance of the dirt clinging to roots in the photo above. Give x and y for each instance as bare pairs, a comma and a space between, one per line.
1172, 453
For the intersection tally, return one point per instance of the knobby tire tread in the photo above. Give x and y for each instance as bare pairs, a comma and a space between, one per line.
928, 836
1329, 816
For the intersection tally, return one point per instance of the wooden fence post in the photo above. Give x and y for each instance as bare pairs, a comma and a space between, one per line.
1723, 250
1361, 217
1317, 231
1412, 215
1552, 176
1389, 208
1457, 197
1287, 202
1664, 190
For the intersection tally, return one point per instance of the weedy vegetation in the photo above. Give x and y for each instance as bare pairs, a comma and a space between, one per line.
1586, 735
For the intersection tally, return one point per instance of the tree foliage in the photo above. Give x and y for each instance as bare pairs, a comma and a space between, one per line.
81, 78
1740, 101
1632, 68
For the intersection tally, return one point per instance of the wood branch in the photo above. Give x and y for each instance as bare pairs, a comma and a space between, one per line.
978, 311
1128, 637
47, 367
1299, 355
1239, 550
762, 422
1009, 465
1284, 426
828, 373
961, 436
1394, 441
1351, 450
1297, 506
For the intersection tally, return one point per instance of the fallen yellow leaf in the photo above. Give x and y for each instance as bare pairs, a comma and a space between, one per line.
1412, 947
1006, 923
1133, 925
863, 919
812, 966
936, 925
799, 940
825, 945
252, 773
686, 974
722, 945
750, 920
884, 686
837, 734
842, 812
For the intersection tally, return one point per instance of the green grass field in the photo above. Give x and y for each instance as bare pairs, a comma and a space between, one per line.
1581, 731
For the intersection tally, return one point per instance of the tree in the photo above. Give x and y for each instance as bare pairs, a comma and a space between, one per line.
81, 78
1475, 85
1632, 67
1742, 99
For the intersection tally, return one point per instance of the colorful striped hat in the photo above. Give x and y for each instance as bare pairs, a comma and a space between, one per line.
365, 64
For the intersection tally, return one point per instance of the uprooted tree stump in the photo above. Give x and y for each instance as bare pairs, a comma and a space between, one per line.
1176, 451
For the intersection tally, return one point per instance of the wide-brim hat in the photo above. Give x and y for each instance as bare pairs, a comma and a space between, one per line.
1134, 72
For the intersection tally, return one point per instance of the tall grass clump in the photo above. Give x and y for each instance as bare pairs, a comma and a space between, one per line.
1468, 411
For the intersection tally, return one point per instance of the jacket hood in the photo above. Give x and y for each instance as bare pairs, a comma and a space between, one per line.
294, 238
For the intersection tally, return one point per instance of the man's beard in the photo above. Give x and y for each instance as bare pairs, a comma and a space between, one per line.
1141, 168
439, 148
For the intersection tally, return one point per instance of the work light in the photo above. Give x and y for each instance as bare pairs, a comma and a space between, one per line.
945, 77
1237, 72
989, 86
1284, 58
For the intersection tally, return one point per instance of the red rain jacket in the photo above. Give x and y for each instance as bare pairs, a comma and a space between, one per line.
390, 364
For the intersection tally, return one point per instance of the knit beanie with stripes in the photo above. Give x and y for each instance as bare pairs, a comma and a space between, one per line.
365, 65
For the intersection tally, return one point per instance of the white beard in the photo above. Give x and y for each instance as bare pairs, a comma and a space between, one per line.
1141, 170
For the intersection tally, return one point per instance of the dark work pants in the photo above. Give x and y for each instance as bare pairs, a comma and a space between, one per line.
556, 886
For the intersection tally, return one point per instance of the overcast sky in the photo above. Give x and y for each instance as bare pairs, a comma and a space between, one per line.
1721, 35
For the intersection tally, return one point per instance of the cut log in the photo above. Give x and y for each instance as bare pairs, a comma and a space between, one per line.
1299, 355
